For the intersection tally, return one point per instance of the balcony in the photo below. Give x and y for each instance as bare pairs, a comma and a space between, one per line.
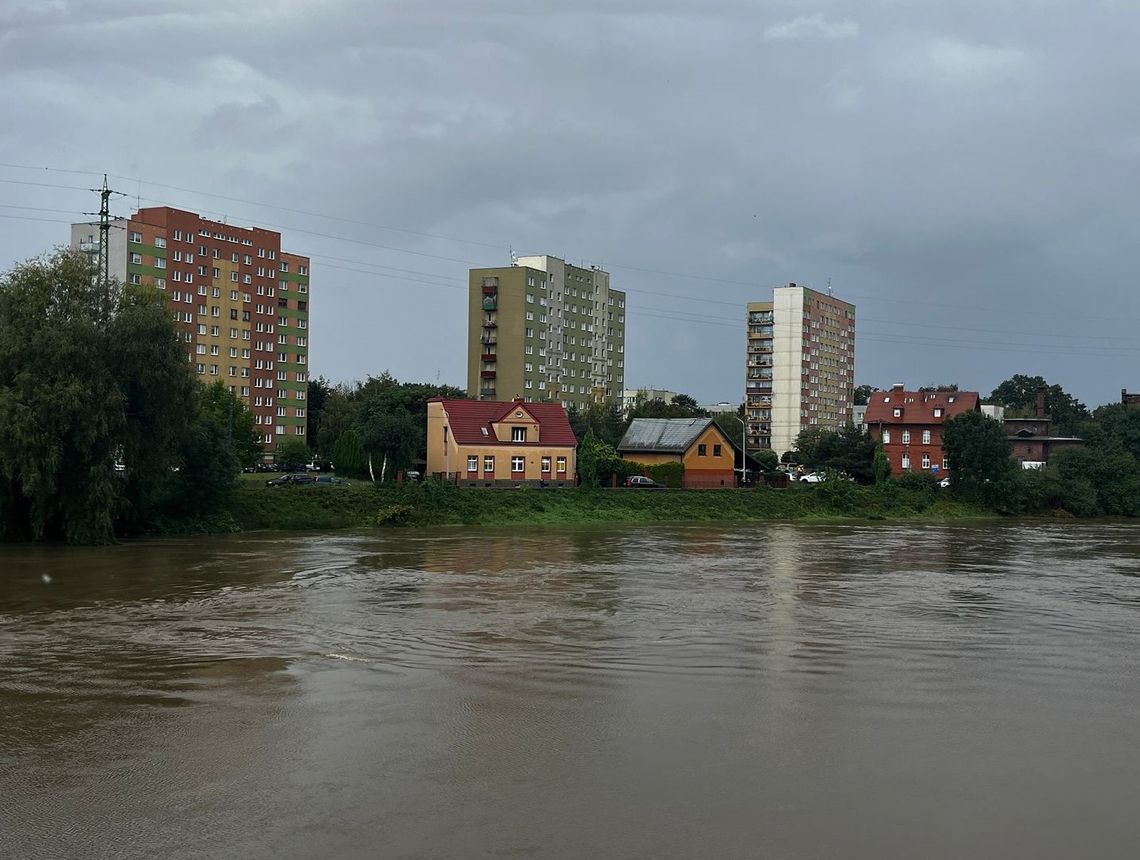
489, 322
490, 290
490, 303
488, 340
489, 357
486, 394
487, 374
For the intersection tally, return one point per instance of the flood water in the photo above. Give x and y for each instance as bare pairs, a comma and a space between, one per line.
771, 691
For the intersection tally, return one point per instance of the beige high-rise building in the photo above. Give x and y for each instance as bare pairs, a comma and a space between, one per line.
545, 330
800, 366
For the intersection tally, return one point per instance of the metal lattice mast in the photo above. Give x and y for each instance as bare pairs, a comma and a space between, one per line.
104, 270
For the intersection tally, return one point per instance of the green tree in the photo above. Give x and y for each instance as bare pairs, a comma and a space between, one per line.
881, 465
317, 394
292, 454
861, 396
596, 460
348, 457
945, 386
978, 452
767, 460
604, 420
1018, 395
388, 434
230, 413
99, 412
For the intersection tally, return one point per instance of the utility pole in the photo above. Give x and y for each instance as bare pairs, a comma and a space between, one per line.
103, 266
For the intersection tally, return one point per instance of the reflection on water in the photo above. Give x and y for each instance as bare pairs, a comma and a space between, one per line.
664, 691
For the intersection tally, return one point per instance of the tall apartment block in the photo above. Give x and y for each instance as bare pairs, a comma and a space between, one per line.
801, 366
545, 330
241, 303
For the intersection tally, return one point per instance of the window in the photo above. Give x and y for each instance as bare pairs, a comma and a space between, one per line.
160, 242
906, 437
906, 462
518, 434
137, 239
898, 413
886, 437
518, 464
562, 465
488, 464
716, 450
702, 450
136, 259
925, 437
925, 460
945, 463
472, 462
546, 465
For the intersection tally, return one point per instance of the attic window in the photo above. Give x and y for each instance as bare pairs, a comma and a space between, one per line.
951, 399
937, 411
484, 429
887, 399
898, 413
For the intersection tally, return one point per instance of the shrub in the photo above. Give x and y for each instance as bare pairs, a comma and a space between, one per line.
394, 515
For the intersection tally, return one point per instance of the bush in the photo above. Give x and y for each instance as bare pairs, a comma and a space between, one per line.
394, 515
669, 474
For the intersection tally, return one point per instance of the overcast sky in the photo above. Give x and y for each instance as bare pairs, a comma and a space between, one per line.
964, 171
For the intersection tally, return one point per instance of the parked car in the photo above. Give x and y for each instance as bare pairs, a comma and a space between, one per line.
289, 479
813, 478
266, 467
412, 476
643, 482
327, 480
945, 482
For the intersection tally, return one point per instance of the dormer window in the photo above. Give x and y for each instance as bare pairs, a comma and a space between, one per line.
898, 413
887, 398
951, 399
518, 434
937, 411
484, 429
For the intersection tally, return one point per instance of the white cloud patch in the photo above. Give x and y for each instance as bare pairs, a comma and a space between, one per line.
966, 61
811, 27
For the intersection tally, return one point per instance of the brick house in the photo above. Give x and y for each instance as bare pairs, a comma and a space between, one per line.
1031, 442
909, 424
494, 443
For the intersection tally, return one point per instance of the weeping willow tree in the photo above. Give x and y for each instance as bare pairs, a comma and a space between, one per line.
100, 421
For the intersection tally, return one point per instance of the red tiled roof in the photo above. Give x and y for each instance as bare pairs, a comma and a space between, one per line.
467, 418
918, 406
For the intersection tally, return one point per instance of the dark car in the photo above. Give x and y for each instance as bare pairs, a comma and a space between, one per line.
289, 480
330, 480
643, 483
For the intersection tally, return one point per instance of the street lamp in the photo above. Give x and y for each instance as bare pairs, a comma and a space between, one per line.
743, 448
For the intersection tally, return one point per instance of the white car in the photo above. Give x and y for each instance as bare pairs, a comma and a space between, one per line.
811, 479
945, 482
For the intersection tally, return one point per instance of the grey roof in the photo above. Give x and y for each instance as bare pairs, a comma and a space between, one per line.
675, 435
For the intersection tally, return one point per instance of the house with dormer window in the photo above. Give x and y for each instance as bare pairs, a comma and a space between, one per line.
909, 424
487, 443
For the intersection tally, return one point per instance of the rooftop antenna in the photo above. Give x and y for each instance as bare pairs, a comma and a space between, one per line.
829, 286
514, 256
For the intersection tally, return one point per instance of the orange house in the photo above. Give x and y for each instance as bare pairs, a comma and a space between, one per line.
488, 443
709, 457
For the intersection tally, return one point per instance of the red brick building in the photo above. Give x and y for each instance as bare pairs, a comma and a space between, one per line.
909, 424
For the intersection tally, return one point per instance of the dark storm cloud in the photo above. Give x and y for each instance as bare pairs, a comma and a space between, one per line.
956, 168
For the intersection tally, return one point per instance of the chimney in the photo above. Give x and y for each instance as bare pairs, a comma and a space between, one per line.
898, 386
1039, 412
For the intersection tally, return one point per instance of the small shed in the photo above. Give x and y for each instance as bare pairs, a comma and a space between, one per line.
709, 457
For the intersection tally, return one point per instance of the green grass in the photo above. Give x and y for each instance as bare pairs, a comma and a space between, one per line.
333, 507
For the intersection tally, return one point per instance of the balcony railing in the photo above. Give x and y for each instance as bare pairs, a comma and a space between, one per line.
487, 374
489, 357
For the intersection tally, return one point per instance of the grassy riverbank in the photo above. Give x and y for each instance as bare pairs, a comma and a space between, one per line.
294, 508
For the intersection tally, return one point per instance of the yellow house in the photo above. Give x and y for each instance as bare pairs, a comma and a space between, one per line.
708, 455
489, 442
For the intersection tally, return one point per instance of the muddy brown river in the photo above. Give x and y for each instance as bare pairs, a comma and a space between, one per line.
751, 691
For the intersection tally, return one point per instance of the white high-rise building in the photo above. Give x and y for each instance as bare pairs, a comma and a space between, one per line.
800, 366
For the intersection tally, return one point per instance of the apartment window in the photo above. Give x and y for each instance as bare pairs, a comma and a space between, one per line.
886, 437
472, 462
906, 437
530, 297
518, 464
530, 317
488, 464
159, 242
562, 465
136, 238
135, 279
160, 262
518, 434
546, 465
925, 460
925, 437
529, 349
528, 384
136, 259
702, 450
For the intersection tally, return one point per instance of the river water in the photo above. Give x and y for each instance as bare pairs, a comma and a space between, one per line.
861, 691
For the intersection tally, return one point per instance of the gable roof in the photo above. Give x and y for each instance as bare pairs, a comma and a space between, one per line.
469, 418
669, 435
918, 406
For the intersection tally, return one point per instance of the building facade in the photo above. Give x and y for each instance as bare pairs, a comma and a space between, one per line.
241, 304
489, 443
709, 457
631, 397
545, 330
800, 367
909, 424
